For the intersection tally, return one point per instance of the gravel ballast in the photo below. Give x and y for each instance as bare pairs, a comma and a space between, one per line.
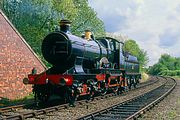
168, 109
81, 110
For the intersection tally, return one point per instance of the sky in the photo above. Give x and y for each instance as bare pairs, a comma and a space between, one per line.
154, 24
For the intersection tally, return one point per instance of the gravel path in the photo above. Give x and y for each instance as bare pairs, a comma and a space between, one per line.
80, 110
168, 109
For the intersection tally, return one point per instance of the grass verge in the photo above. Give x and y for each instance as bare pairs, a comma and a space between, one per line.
6, 102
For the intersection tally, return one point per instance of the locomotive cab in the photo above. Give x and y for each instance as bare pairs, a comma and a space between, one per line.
114, 49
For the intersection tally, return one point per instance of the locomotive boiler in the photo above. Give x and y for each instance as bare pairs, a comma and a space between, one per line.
59, 49
82, 66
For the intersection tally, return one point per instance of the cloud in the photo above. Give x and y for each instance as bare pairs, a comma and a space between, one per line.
168, 39
113, 15
111, 20
153, 24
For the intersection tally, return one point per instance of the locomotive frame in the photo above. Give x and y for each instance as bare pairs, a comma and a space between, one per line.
83, 67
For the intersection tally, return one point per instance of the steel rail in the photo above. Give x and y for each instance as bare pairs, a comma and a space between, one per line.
134, 107
10, 108
17, 107
34, 113
152, 104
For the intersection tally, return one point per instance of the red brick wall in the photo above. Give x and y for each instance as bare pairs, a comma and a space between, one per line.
16, 61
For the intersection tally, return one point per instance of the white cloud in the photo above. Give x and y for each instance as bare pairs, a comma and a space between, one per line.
147, 21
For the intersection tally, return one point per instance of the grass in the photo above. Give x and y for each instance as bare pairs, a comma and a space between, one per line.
172, 115
6, 102
178, 101
176, 77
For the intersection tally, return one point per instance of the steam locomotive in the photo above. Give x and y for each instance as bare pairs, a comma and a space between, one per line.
82, 66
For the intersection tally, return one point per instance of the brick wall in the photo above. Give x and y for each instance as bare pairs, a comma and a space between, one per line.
16, 61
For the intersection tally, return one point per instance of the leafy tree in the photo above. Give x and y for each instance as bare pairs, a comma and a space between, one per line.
66, 8
167, 61
177, 64
1, 4
87, 19
167, 65
34, 19
143, 57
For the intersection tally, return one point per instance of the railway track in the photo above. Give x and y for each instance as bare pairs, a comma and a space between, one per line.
35, 113
132, 108
11, 108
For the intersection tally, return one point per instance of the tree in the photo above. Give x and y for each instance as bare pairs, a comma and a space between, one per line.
167, 61
1, 4
177, 64
167, 65
65, 8
34, 19
87, 19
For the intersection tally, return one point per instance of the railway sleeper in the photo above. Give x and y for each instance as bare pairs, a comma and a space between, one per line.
103, 118
112, 116
132, 106
139, 104
124, 112
126, 108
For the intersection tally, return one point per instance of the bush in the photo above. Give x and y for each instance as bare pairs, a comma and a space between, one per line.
170, 73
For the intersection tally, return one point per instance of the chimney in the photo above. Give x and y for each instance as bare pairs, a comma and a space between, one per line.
65, 26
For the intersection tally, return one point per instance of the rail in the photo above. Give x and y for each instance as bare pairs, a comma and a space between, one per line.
132, 108
34, 113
